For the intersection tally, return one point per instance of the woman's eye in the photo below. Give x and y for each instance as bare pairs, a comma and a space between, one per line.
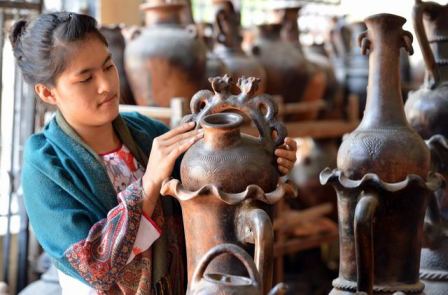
109, 67
86, 80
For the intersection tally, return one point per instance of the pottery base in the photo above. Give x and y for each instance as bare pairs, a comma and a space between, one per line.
345, 287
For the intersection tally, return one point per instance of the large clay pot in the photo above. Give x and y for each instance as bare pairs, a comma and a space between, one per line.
226, 177
427, 110
116, 47
228, 45
382, 178
323, 83
287, 70
166, 60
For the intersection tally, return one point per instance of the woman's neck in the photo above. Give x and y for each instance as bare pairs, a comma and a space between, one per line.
101, 139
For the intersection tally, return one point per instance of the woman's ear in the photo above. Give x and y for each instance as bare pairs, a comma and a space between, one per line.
45, 93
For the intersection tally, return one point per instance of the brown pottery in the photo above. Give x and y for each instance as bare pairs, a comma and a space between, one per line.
228, 177
382, 181
427, 111
287, 70
218, 283
166, 60
323, 83
228, 45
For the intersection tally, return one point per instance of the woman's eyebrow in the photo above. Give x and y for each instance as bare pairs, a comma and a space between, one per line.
84, 71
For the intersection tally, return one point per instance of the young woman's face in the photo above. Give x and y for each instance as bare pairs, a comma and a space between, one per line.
87, 91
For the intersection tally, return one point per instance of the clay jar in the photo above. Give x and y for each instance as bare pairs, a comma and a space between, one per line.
382, 181
227, 159
166, 60
287, 70
228, 46
427, 108
373, 146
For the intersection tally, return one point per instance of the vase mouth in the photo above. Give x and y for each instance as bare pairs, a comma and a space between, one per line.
222, 121
228, 280
386, 17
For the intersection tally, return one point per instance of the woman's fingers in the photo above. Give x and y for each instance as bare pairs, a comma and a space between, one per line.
184, 144
283, 170
178, 130
285, 163
178, 138
291, 144
290, 155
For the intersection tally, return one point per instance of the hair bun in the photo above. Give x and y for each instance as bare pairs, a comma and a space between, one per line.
17, 29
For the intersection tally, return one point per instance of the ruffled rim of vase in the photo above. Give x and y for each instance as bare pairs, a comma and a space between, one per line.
433, 183
174, 187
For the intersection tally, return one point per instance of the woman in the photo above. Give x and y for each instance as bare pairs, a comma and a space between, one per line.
90, 189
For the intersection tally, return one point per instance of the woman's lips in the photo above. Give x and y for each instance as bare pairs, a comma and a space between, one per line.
109, 99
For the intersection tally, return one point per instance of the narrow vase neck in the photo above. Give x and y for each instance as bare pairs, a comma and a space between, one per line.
384, 106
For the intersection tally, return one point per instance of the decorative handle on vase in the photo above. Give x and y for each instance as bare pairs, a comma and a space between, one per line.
261, 109
233, 250
221, 19
420, 8
255, 227
363, 226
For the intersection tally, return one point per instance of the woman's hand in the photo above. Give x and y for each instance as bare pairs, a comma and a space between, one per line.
164, 152
286, 154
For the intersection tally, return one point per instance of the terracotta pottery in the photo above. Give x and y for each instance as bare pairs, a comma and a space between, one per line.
323, 83
427, 110
287, 70
116, 47
382, 181
166, 60
218, 283
228, 45
227, 176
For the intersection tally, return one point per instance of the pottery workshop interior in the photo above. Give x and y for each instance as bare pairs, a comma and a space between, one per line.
232, 147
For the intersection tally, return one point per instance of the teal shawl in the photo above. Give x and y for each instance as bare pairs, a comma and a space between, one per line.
67, 189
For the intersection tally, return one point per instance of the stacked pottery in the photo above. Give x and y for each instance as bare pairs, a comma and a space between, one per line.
116, 45
228, 45
427, 111
287, 70
323, 83
382, 181
166, 60
227, 177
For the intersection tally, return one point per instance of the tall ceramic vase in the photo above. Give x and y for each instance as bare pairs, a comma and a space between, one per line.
382, 181
427, 111
166, 60
228, 178
228, 45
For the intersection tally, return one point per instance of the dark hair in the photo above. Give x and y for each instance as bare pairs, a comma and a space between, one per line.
40, 45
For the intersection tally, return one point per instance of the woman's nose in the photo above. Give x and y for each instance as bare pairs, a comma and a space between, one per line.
104, 83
